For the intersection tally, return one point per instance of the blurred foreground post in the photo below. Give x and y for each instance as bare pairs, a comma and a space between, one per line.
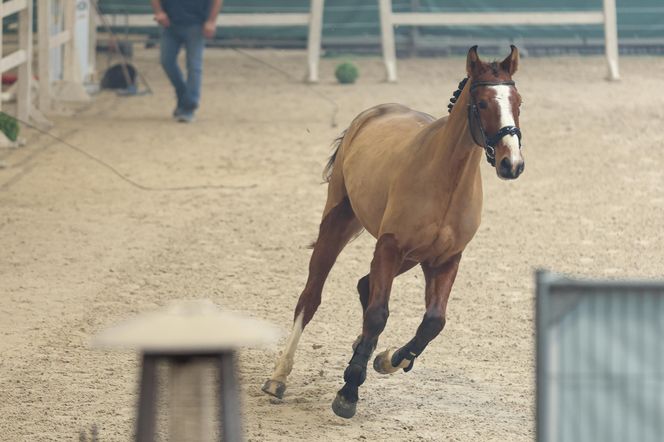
197, 342
600, 360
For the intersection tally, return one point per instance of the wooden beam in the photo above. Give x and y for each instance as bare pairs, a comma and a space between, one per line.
12, 60
226, 20
12, 7
497, 18
59, 39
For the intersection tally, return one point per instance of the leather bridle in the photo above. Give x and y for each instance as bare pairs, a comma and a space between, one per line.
488, 143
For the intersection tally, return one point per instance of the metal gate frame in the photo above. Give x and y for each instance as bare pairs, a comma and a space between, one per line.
548, 286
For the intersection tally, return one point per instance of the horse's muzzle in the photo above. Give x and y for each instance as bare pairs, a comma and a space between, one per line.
508, 170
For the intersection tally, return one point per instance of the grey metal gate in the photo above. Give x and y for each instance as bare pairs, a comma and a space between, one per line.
600, 360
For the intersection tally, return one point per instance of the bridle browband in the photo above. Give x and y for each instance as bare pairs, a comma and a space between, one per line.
477, 130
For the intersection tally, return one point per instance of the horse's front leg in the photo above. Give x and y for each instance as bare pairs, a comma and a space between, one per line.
439, 281
385, 265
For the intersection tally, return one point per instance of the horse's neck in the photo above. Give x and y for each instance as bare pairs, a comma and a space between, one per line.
455, 155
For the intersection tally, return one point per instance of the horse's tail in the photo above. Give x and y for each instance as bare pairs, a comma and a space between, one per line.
336, 144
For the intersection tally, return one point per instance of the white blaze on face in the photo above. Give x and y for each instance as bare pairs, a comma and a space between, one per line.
503, 93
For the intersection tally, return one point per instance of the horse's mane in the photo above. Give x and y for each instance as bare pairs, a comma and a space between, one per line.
456, 94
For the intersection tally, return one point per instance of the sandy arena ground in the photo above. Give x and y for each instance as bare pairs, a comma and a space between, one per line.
82, 249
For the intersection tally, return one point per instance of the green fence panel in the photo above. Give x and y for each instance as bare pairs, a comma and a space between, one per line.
638, 20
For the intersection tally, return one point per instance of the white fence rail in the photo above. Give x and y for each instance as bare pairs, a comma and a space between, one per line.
389, 19
312, 19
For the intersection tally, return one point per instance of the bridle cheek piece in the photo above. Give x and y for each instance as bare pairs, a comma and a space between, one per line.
477, 130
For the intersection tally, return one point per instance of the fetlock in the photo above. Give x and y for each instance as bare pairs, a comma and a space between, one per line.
406, 352
355, 374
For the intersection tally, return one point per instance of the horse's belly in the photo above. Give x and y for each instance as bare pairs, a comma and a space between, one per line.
369, 168
368, 202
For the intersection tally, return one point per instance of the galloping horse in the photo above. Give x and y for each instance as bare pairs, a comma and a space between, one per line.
414, 183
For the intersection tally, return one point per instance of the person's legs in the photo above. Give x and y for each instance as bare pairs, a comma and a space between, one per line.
194, 44
170, 46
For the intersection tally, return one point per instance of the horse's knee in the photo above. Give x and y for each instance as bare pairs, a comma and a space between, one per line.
375, 318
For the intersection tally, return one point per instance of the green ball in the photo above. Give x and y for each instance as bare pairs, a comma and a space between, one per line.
346, 73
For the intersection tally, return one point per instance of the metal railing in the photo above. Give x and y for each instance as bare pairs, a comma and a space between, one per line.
600, 360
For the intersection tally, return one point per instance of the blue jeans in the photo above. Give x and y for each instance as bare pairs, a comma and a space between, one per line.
172, 39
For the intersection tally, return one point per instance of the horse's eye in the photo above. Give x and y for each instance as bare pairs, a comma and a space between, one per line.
482, 104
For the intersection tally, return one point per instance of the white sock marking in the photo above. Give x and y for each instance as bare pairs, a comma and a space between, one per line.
285, 362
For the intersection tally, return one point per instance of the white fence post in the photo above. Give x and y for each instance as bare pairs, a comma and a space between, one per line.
314, 39
387, 40
606, 17
70, 88
24, 97
91, 74
70, 65
43, 34
611, 38
85, 54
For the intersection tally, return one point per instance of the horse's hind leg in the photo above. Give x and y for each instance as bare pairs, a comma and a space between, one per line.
439, 282
338, 226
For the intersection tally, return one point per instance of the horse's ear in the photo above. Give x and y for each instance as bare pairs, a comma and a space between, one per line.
473, 61
511, 63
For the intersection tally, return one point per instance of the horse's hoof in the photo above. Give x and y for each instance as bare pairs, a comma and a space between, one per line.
274, 388
343, 408
383, 362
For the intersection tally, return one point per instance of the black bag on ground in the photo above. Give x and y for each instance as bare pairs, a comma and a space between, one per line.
115, 77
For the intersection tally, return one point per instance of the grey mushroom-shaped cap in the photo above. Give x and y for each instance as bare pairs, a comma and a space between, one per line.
187, 327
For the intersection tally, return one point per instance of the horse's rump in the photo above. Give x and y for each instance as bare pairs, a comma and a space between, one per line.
361, 121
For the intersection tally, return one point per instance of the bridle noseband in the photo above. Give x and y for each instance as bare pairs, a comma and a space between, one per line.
477, 130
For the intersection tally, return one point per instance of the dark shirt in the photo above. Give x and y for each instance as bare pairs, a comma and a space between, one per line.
186, 12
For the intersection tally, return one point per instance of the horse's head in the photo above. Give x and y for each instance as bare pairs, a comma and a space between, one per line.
493, 112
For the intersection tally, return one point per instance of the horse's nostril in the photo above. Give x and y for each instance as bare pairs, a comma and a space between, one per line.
519, 169
506, 167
